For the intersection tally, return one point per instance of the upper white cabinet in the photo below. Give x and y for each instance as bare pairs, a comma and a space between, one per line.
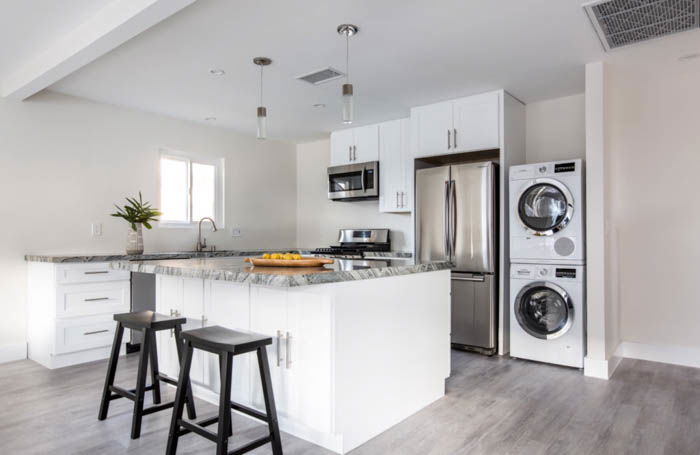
395, 166
355, 145
461, 125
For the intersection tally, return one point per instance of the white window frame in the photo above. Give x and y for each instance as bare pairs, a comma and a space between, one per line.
218, 188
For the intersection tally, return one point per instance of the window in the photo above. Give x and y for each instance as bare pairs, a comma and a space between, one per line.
190, 190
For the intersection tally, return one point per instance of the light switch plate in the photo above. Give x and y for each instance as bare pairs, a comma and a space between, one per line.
235, 232
96, 229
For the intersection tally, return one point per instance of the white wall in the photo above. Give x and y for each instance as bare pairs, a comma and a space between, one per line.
556, 129
64, 161
653, 148
319, 219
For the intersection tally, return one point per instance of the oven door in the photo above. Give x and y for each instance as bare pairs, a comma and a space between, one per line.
354, 181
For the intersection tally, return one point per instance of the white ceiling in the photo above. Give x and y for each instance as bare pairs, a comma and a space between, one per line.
408, 53
28, 27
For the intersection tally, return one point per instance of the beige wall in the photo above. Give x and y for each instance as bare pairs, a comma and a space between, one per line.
319, 219
64, 161
653, 160
556, 129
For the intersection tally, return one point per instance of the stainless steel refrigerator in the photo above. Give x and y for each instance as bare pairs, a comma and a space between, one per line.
456, 210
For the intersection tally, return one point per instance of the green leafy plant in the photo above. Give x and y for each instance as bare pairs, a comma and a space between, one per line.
137, 212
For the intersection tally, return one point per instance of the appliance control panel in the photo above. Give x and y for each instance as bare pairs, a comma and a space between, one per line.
542, 170
547, 272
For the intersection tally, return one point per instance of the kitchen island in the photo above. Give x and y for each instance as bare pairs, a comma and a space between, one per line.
357, 347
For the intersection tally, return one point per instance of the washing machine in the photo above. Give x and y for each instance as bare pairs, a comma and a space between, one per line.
547, 213
548, 313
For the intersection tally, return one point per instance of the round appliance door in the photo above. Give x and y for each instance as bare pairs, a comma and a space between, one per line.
545, 207
544, 310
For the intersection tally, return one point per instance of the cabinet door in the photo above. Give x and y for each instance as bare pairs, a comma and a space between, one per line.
169, 298
341, 147
390, 166
405, 187
227, 305
308, 370
432, 125
268, 316
193, 310
366, 144
476, 120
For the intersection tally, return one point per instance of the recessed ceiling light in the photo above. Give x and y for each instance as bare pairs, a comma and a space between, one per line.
319, 105
689, 57
209, 119
217, 72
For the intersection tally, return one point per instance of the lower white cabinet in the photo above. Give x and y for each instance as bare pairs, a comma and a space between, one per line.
70, 308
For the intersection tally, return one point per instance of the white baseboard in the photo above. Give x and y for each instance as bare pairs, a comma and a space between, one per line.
675, 355
12, 352
601, 369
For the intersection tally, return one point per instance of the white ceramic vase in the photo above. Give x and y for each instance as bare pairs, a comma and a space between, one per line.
134, 240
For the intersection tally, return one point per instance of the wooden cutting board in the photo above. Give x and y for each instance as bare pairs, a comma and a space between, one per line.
303, 262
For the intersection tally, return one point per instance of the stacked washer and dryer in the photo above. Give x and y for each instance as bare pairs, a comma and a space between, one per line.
547, 255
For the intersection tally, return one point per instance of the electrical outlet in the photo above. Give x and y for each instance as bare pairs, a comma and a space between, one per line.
96, 229
235, 232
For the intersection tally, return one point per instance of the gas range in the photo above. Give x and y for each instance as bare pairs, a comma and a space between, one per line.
354, 243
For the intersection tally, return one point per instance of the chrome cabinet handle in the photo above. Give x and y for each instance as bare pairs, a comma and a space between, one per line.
96, 332
454, 138
96, 299
397, 199
446, 220
289, 350
96, 272
204, 320
354, 153
349, 152
279, 350
449, 139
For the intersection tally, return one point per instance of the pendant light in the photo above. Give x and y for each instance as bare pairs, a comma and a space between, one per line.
262, 110
348, 30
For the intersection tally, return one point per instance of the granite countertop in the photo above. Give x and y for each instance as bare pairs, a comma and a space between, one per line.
236, 270
67, 258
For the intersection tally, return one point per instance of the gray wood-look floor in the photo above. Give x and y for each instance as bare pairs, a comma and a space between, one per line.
492, 406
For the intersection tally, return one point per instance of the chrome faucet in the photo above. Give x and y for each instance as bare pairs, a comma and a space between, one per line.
202, 243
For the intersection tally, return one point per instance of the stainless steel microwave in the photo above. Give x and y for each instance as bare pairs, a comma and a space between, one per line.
353, 182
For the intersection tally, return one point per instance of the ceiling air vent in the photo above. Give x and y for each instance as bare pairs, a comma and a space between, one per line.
622, 22
321, 76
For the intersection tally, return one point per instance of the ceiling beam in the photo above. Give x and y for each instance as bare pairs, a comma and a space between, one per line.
112, 26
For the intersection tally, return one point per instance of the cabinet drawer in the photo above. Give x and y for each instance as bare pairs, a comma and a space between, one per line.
89, 273
74, 335
92, 298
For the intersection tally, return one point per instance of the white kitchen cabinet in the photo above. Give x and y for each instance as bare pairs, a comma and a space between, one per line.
476, 123
462, 125
355, 145
395, 166
70, 308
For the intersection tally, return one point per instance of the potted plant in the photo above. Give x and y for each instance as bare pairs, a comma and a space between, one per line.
137, 213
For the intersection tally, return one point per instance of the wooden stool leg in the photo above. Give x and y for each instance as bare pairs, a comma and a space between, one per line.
191, 413
111, 371
225, 361
180, 398
222, 371
269, 396
141, 384
155, 381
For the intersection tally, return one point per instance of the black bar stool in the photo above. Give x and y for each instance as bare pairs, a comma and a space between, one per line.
225, 343
148, 323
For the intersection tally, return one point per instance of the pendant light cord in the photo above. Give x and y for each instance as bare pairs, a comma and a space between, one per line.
347, 57
261, 85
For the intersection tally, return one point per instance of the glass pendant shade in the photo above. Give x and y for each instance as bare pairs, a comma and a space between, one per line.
347, 104
262, 122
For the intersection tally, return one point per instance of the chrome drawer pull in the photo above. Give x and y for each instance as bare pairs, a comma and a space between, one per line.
96, 272
96, 299
289, 350
96, 332
279, 343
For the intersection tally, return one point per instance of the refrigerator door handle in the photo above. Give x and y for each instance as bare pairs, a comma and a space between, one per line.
446, 221
453, 216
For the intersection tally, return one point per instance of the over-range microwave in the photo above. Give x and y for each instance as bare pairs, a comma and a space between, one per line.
352, 182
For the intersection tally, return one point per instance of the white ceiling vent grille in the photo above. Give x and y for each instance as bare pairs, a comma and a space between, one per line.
321, 76
622, 22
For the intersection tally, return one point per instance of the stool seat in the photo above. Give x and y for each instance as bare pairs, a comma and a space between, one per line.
217, 339
149, 320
